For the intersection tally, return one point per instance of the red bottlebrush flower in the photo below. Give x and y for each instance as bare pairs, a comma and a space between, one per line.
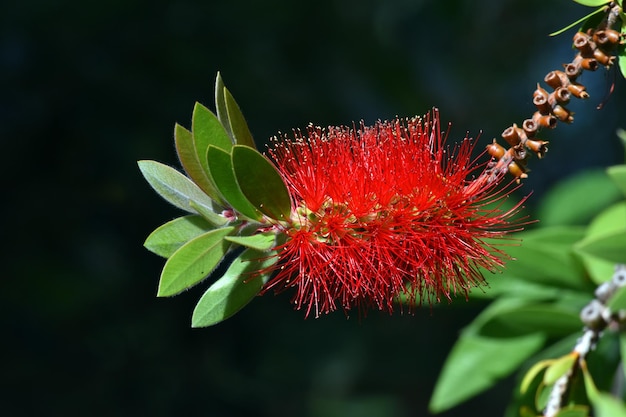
382, 211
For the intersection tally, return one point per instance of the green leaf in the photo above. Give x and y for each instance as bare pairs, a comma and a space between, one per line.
569, 201
592, 3
579, 21
174, 187
618, 175
193, 262
622, 351
550, 319
603, 404
166, 239
213, 218
220, 105
477, 363
621, 61
618, 300
533, 372
207, 131
261, 183
606, 236
221, 167
236, 288
559, 368
573, 411
545, 256
186, 150
238, 125
259, 242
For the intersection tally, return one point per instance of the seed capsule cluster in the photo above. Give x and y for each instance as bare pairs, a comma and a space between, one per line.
594, 48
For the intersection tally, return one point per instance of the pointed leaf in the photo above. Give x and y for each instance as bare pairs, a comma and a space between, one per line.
618, 175
576, 23
207, 130
168, 238
533, 372
222, 173
193, 262
559, 368
236, 288
220, 105
486, 359
174, 186
188, 157
238, 125
259, 242
261, 183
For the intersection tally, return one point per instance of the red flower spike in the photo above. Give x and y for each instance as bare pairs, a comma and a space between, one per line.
383, 211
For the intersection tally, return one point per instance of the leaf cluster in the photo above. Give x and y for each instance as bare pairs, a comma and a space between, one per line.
235, 201
534, 316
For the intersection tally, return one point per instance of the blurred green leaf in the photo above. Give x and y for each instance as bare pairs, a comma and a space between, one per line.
606, 235
174, 187
166, 239
193, 262
559, 368
221, 167
550, 319
546, 256
604, 405
573, 411
261, 183
569, 201
618, 175
622, 352
188, 157
259, 242
476, 363
236, 288
533, 373
220, 105
618, 300
238, 125
592, 3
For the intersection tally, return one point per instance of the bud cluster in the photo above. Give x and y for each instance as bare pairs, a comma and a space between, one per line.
595, 47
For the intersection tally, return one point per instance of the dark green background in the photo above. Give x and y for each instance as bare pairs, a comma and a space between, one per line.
88, 89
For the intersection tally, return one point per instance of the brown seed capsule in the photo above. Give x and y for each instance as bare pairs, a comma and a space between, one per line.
602, 58
511, 135
530, 127
590, 64
542, 104
562, 95
573, 69
537, 146
578, 91
581, 42
563, 114
606, 38
495, 150
517, 170
540, 92
545, 120
557, 79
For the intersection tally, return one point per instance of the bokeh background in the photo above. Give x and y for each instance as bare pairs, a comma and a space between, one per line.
88, 88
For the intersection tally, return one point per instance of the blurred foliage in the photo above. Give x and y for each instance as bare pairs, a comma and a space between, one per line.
88, 89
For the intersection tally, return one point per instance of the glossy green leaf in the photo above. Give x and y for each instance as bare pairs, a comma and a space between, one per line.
221, 167
578, 22
207, 131
477, 363
568, 202
193, 262
606, 236
168, 238
545, 256
174, 187
604, 405
220, 105
559, 368
533, 372
592, 3
188, 157
259, 242
261, 183
238, 125
618, 175
236, 288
